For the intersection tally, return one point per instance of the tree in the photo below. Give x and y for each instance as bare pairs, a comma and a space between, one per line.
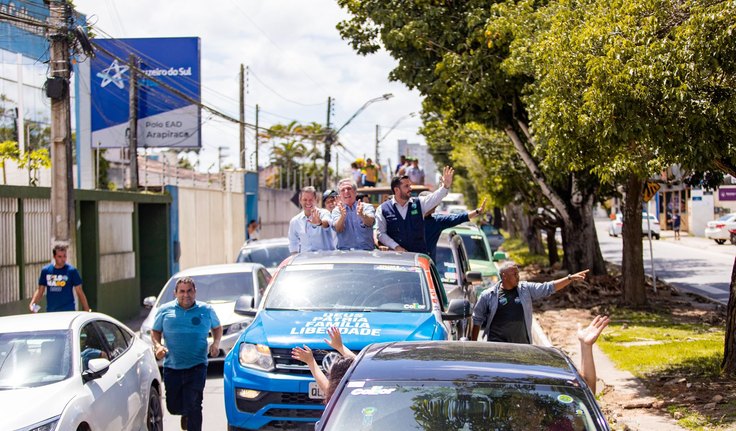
33, 161
285, 156
8, 151
443, 51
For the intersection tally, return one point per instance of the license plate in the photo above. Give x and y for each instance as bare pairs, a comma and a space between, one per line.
314, 391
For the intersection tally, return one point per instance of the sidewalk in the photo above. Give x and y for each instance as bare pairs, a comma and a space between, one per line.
622, 396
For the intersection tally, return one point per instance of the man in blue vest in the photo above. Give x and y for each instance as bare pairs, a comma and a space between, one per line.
400, 220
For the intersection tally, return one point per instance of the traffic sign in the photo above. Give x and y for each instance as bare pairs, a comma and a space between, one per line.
650, 189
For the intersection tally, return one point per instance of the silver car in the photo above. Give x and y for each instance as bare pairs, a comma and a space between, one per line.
268, 252
221, 286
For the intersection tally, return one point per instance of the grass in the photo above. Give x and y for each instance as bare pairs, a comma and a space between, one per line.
650, 342
518, 251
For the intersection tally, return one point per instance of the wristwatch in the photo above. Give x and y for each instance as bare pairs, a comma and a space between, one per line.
569, 277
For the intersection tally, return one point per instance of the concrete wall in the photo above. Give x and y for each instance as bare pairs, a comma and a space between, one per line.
211, 226
275, 209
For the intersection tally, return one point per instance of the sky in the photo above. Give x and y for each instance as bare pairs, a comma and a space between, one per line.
296, 60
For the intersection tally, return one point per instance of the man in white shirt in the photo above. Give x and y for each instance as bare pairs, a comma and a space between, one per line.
310, 229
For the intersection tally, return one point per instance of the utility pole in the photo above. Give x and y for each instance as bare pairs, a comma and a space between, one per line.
257, 139
242, 116
133, 122
57, 89
328, 144
378, 140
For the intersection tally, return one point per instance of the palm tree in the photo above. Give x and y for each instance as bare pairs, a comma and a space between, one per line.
286, 155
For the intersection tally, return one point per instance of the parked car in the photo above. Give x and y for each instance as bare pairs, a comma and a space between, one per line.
462, 386
617, 224
221, 286
268, 252
493, 235
76, 371
479, 252
371, 296
718, 230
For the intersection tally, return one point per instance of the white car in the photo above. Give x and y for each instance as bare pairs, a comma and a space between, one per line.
221, 286
617, 225
718, 230
76, 371
268, 252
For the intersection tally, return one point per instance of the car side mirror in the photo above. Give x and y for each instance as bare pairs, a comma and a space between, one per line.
458, 309
245, 305
96, 368
474, 276
149, 301
499, 255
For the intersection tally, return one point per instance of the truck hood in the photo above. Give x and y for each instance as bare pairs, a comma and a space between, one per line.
287, 329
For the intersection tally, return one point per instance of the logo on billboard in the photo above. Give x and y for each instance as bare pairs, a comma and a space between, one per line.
113, 74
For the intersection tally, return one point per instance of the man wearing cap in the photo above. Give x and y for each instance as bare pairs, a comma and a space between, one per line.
401, 219
352, 219
504, 310
310, 229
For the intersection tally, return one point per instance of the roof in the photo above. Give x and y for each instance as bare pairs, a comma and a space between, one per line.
464, 361
259, 243
44, 321
226, 268
374, 257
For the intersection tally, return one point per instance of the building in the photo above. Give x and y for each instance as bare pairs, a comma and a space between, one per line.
421, 153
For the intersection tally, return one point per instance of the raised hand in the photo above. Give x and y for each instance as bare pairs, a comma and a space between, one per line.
302, 354
579, 276
360, 208
482, 207
590, 334
342, 208
447, 174
335, 340
314, 217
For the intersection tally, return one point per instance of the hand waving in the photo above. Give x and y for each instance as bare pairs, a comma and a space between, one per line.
590, 334
335, 340
302, 354
447, 174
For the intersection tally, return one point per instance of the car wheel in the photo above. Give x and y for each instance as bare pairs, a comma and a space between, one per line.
733, 238
154, 414
656, 236
720, 241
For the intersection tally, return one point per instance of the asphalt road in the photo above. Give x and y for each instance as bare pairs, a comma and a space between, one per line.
692, 264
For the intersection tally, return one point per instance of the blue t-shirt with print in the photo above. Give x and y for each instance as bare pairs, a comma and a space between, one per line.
59, 283
185, 332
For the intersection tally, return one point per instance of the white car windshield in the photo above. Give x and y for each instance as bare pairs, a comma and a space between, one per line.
214, 288
460, 405
349, 287
30, 359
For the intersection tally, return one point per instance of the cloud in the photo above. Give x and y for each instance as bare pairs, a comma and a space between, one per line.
294, 53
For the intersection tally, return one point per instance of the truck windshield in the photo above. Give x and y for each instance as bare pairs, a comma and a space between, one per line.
349, 287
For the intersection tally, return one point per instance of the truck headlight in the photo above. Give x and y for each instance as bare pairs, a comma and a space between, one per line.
236, 327
256, 356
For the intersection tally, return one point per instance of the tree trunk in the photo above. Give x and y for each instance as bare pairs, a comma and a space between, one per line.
632, 267
554, 257
579, 237
728, 366
531, 235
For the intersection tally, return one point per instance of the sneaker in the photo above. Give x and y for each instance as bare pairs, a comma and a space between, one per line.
183, 422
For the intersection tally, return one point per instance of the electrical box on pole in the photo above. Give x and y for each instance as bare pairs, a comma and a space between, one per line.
57, 89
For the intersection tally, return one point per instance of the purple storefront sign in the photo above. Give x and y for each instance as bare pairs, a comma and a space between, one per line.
727, 194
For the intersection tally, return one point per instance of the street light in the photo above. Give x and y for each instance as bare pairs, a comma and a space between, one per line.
332, 135
378, 133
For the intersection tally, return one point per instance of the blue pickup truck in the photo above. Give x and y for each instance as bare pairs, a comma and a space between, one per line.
370, 296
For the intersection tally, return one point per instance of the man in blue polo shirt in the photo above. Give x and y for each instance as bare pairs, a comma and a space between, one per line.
352, 219
60, 281
185, 324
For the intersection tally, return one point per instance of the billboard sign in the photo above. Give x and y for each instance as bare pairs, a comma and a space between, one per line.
726, 194
165, 119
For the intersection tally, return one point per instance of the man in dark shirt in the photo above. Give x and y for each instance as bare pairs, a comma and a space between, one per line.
505, 309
